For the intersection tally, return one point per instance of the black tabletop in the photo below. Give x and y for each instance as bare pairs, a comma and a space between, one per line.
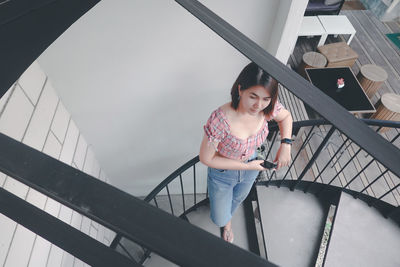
351, 96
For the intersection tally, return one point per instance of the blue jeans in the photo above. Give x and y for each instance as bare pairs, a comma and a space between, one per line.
227, 189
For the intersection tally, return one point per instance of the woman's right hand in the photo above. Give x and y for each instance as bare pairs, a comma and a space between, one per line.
256, 165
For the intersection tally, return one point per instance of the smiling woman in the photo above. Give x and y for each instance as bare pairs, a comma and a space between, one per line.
231, 136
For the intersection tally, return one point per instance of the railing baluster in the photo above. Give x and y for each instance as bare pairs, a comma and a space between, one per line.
314, 157
376, 179
327, 164
384, 195
338, 158
355, 176
270, 178
337, 174
347, 163
271, 144
183, 193
369, 163
395, 138
308, 137
170, 202
155, 201
194, 183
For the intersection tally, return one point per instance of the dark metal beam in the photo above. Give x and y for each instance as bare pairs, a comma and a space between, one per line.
166, 235
59, 233
28, 27
356, 130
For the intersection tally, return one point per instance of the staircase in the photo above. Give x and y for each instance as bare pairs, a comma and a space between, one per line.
293, 224
292, 209
303, 215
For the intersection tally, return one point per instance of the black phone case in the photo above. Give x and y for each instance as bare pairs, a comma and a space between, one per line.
268, 165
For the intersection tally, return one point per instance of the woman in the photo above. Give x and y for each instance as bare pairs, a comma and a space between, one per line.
231, 136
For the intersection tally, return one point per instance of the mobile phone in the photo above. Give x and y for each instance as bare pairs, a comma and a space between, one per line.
268, 165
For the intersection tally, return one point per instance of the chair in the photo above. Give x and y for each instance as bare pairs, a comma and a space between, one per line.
323, 7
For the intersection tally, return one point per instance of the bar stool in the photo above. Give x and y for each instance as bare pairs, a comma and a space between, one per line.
311, 60
371, 78
387, 108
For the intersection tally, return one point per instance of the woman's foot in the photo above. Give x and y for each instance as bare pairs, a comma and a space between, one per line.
227, 234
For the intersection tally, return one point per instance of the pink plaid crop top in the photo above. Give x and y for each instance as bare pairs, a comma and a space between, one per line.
217, 129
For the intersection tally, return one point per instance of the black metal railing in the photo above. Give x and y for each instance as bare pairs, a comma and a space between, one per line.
316, 136
175, 208
333, 159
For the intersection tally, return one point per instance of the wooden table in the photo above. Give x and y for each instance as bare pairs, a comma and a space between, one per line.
387, 108
371, 78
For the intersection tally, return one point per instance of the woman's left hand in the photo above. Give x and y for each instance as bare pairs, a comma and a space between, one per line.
283, 156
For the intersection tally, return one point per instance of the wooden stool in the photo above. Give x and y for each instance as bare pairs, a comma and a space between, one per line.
371, 78
387, 108
338, 54
311, 60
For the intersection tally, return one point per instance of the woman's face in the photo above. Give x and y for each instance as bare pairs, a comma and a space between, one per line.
254, 100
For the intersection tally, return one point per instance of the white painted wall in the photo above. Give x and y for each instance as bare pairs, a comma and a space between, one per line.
140, 78
31, 112
286, 27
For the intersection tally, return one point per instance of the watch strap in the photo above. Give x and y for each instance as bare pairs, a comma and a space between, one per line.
286, 141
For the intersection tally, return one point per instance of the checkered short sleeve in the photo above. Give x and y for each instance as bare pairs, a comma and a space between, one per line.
216, 127
278, 106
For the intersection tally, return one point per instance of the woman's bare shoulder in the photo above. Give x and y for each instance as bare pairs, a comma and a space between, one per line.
226, 108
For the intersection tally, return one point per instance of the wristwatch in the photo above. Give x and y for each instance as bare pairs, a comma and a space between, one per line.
286, 141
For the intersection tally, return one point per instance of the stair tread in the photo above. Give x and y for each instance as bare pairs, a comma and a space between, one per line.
292, 224
201, 218
361, 236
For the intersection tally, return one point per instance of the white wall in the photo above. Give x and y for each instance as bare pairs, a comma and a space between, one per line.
140, 78
31, 112
286, 27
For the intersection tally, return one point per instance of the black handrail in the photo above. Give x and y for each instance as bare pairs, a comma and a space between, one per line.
171, 177
59, 233
27, 28
146, 225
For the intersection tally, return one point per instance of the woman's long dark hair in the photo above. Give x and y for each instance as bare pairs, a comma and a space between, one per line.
252, 75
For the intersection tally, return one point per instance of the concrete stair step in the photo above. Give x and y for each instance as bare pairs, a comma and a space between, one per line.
362, 237
201, 218
293, 224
